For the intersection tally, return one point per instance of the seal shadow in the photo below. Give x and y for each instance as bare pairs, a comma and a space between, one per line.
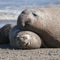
5, 46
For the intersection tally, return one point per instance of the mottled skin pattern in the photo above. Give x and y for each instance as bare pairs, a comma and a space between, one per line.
43, 21
24, 39
4, 33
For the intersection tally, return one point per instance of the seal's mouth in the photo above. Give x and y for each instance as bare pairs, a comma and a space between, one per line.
24, 25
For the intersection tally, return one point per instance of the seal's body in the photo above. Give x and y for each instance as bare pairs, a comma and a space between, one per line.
24, 39
43, 21
4, 33
12, 36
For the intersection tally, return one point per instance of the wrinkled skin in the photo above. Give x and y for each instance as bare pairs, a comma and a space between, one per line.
4, 33
43, 21
24, 39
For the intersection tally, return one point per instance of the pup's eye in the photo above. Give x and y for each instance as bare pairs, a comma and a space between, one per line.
34, 14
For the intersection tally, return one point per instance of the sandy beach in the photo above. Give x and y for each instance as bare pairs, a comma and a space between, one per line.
35, 54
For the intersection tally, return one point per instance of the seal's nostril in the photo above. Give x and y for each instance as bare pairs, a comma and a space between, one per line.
23, 12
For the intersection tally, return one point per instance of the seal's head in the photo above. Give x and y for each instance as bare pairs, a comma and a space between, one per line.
28, 39
29, 18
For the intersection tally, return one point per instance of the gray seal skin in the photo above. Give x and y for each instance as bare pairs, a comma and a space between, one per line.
24, 39
43, 21
4, 33
12, 36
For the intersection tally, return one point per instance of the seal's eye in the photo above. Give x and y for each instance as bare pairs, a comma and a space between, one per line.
34, 14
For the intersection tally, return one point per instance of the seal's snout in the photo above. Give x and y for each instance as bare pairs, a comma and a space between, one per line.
25, 18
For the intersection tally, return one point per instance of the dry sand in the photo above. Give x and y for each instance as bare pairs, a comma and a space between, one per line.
33, 54
8, 53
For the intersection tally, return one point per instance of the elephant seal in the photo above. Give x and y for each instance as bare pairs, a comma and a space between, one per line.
24, 39
43, 21
4, 33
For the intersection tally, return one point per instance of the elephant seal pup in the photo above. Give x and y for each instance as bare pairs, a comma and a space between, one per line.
43, 21
24, 39
4, 33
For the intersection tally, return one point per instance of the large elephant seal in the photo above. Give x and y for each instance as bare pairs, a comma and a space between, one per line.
24, 39
43, 21
4, 33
